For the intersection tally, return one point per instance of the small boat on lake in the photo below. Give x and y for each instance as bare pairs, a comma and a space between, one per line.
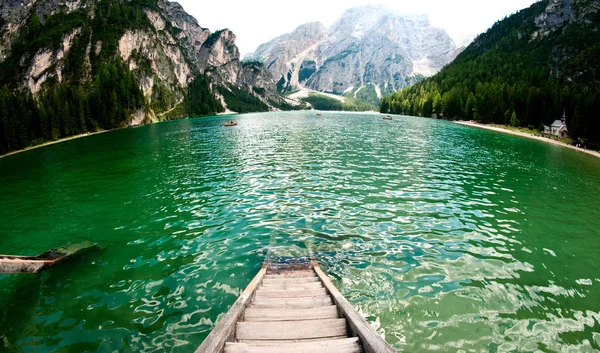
388, 118
319, 114
231, 123
292, 306
33, 264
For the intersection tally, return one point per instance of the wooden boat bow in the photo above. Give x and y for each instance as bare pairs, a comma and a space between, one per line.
10, 264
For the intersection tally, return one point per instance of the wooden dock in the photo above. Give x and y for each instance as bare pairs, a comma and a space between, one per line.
293, 307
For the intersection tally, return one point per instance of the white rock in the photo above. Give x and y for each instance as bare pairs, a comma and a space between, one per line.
156, 20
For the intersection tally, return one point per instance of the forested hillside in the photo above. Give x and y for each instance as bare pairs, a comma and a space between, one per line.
68, 68
527, 70
97, 91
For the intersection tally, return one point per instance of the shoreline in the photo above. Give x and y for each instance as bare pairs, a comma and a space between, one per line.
45, 144
54, 142
463, 123
533, 137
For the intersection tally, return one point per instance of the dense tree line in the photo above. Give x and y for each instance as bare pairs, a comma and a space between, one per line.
240, 101
200, 99
320, 102
512, 76
63, 109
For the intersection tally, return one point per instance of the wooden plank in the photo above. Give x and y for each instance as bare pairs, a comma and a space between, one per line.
347, 345
276, 342
371, 341
292, 303
286, 293
292, 286
323, 312
291, 330
225, 328
292, 274
291, 280
277, 267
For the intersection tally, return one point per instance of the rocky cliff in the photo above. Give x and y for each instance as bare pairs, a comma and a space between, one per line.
73, 66
369, 48
164, 47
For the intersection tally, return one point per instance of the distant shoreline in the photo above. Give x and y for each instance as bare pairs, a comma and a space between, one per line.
464, 123
54, 142
529, 136
95, 133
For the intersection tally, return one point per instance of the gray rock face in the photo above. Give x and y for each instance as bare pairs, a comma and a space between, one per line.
192, 35
259, 80
367, 45
561, 12
279, 53
12, 14
220, 57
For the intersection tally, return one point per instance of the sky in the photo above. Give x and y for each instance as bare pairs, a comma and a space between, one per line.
257, 21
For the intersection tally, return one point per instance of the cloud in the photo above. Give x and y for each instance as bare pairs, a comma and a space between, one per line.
258, 21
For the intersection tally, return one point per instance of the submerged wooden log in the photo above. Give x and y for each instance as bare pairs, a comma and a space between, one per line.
10, 264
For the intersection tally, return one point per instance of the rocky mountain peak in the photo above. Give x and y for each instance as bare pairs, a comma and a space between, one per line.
309, 30
287, 52
179, 17
368, 47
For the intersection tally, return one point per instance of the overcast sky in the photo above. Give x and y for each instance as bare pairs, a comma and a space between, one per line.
257, 21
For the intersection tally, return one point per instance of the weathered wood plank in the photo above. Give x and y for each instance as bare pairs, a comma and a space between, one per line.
291, 280
225, 328
292, 303
371, 341
292, 274
264, 314
348, 345
273, 343
286, 293
276, 268
291, 330
292, 286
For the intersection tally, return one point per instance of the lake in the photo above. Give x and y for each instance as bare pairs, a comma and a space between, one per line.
445, 237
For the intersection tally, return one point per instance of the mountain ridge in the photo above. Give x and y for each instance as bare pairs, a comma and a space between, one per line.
368, 47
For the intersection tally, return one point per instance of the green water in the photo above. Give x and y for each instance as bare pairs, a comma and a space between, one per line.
447, 238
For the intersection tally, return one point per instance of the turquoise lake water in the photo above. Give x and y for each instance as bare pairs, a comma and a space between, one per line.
445, 237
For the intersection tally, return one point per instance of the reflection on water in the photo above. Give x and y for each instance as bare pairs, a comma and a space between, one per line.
447, 238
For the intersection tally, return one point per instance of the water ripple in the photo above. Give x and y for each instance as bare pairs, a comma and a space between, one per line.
444, 237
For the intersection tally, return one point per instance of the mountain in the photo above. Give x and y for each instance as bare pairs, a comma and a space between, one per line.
70, 67
370, 50
528, 69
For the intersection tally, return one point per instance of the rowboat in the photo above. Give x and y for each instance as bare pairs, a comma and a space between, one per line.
292, 307
10, 264
388, 118
231, 123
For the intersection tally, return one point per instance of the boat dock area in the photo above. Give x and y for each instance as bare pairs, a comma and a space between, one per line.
293, 307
